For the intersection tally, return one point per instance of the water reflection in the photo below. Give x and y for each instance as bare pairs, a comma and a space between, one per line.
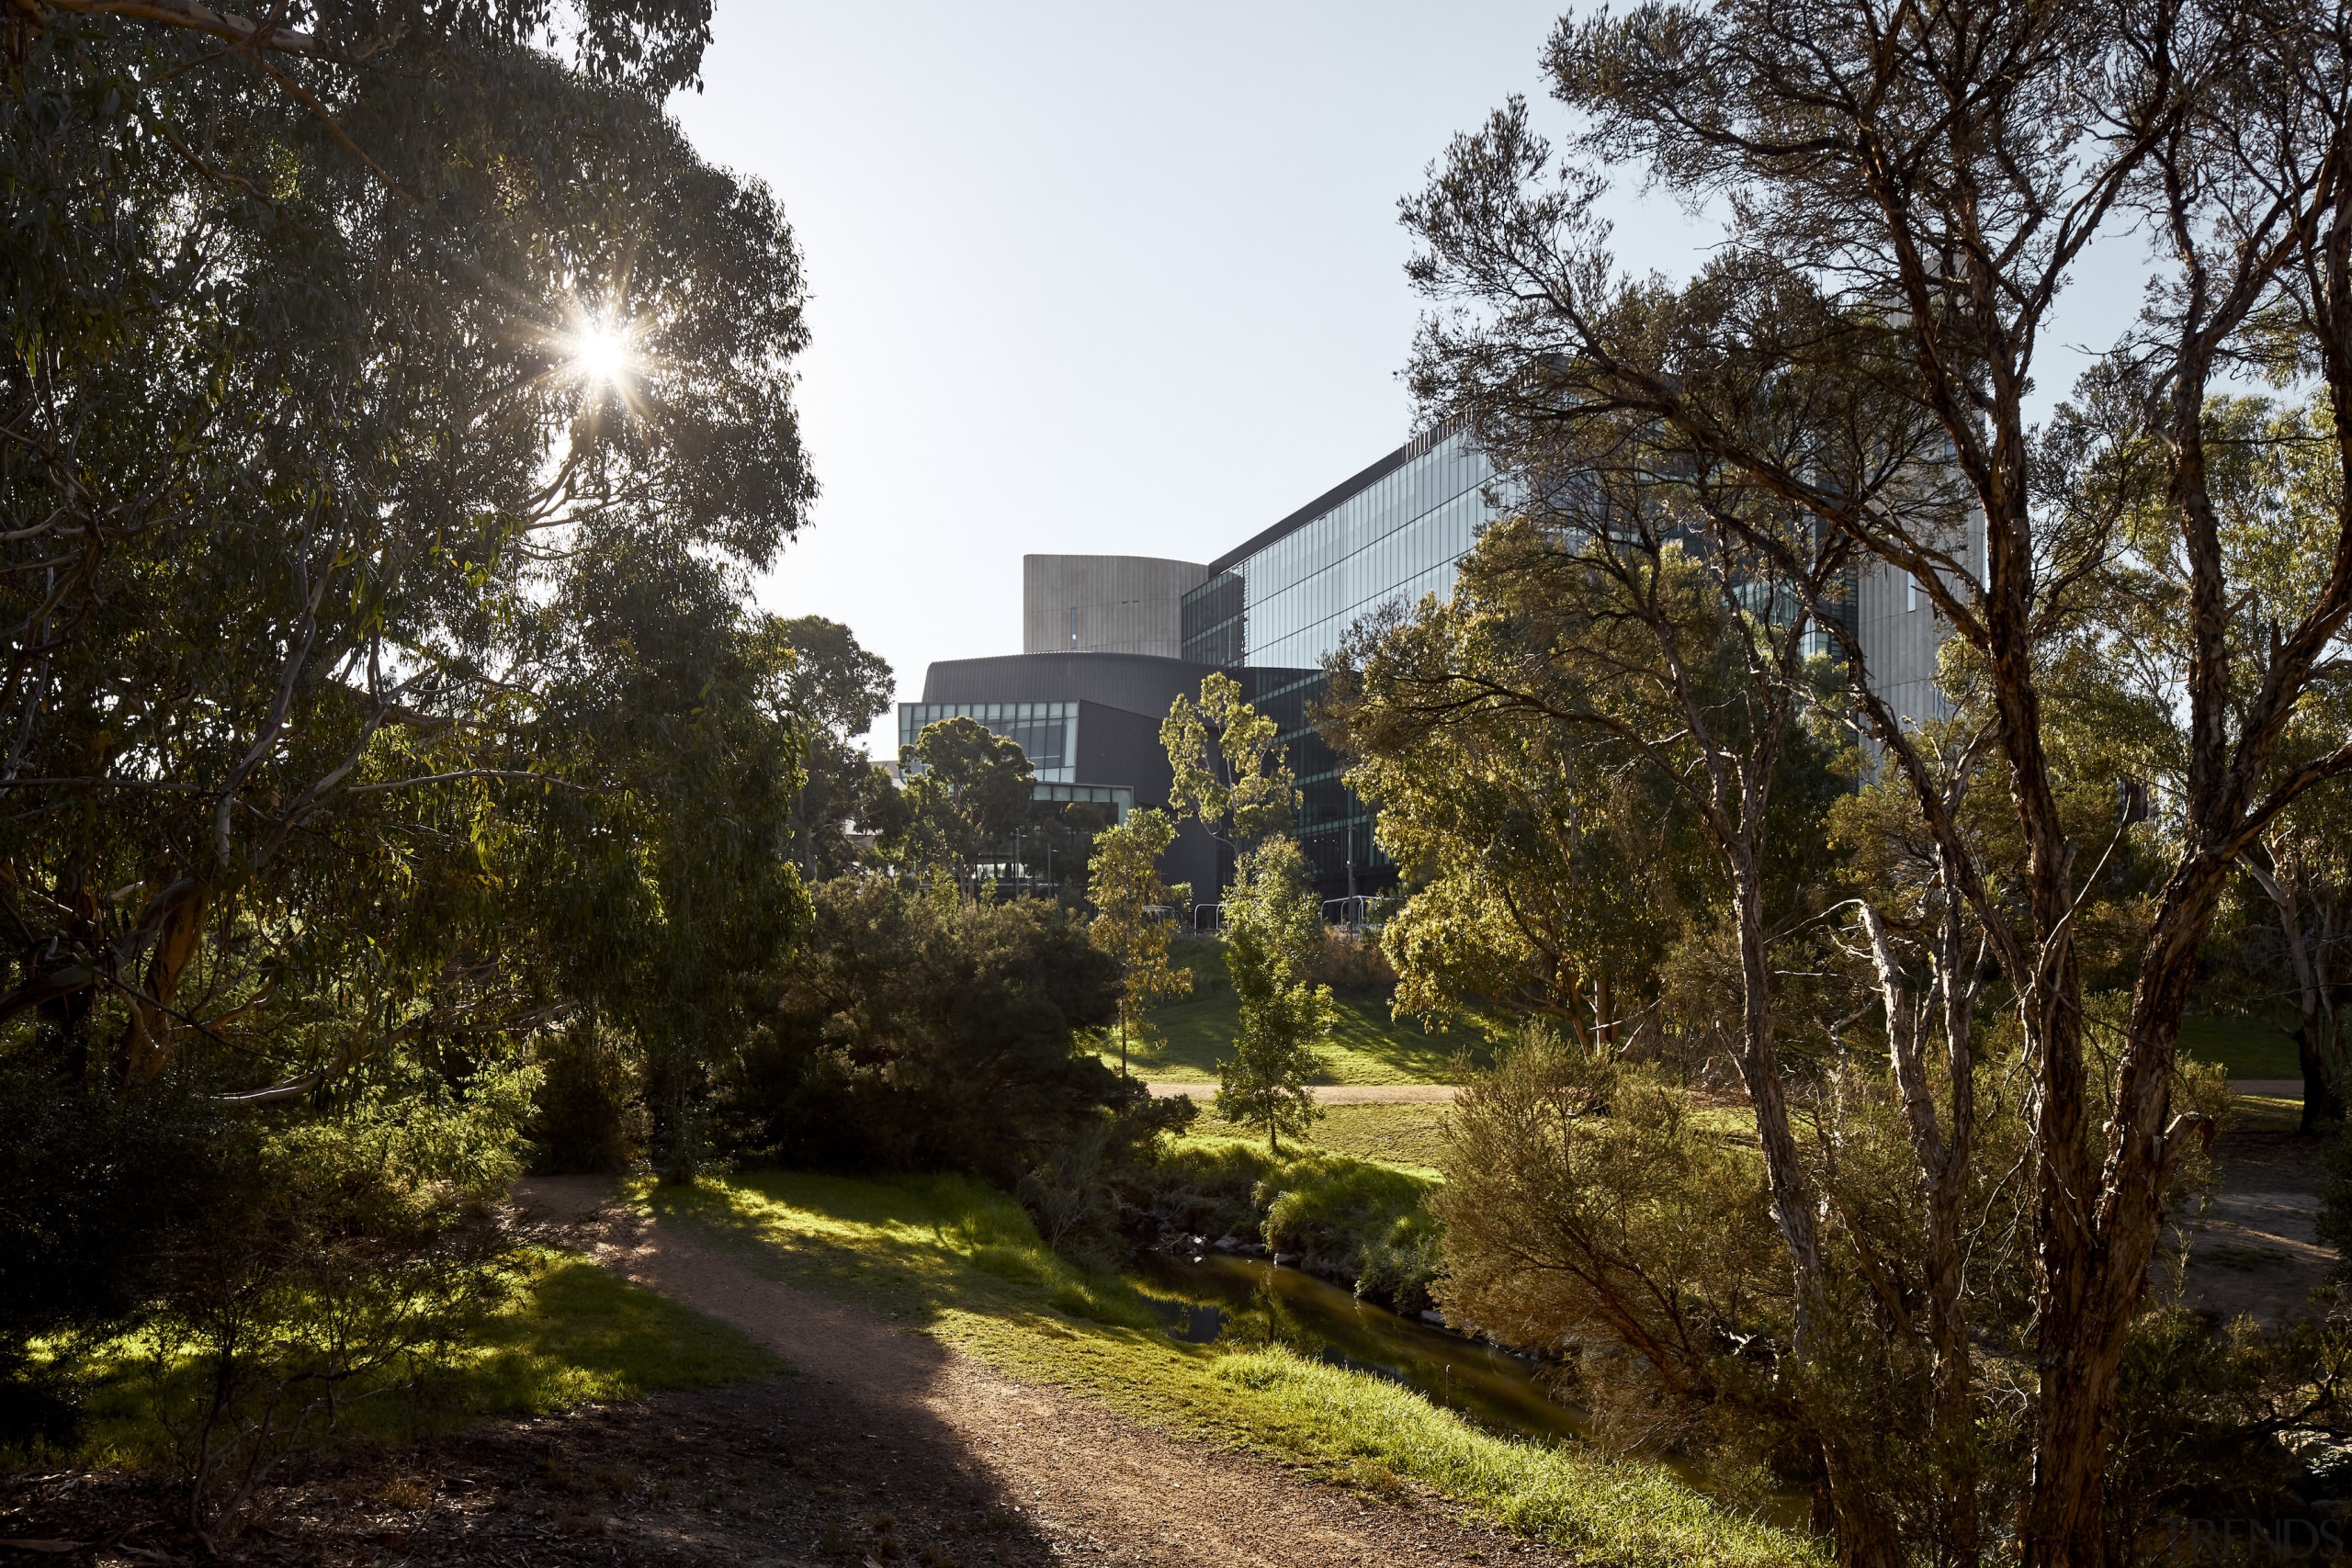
1243, 1300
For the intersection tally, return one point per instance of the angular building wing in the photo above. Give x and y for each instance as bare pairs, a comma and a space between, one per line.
1110, 641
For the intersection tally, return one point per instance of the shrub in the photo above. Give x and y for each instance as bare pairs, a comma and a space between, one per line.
98, 1190
1359, 1224
350, 1256
913, 1033
588, 1116
1352, 1222
1401, 1267
1209, 1188
1353, 966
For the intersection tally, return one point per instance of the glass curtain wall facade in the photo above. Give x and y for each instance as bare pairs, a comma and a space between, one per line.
1282, 602
1045, 732
1285, 599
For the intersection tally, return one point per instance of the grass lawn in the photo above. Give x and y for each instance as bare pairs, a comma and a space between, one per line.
1367, 1047
569, 1333
2247, 1047
965, 1265
1410, 1136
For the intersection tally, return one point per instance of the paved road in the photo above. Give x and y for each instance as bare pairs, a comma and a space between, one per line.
1336, 1093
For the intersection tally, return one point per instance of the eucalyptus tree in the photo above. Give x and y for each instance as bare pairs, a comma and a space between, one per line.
1626, 627
2274, 479
1906, 198
393, 412
1547, 875
299, 438
967, 788
836, 690
1231, 773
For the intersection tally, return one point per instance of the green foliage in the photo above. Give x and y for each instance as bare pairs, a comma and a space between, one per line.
590, 1116
2196, 1421
661, 902
1133, 918
562, 1331
2332, 1225
99, 1190
834, 693
1353, 1221
916, 1034
965, 786
1273, 927
1581, 1202
1211, 1186
1554, 855
353, 1253
1234, 782
401, 699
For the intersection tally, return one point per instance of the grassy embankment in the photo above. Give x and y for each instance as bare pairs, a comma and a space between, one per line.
568, 1333
1409, 1137
964, 1264
1368, 1046
2247, 1047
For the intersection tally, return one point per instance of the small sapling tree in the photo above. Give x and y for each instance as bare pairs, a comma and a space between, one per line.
1130, 923
1237, 783
1272, 925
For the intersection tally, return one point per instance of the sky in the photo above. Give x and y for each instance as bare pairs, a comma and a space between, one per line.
1097, 278
1100, 278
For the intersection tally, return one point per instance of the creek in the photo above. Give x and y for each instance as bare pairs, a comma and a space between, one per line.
1243, 1300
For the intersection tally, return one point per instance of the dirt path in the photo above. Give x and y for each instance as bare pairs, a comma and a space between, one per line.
1336, 1094
2254, 1248
1089, 1487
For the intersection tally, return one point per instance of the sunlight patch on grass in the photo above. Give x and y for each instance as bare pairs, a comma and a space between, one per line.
568, 1333
1615, 1511
1409, 1137
964, 1264
576, 1332
1367, 1047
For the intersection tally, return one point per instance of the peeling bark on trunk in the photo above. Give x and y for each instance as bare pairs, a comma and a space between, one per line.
174, 921
1944, 1167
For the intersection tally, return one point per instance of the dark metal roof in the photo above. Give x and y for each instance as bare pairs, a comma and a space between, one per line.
1139, 683
1420, 445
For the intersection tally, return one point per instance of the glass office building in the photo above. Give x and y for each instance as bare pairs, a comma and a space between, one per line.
1283, 599
1280, 602
1047, 734
1267, 612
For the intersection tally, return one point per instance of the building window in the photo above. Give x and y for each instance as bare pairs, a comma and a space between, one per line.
1044, 731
